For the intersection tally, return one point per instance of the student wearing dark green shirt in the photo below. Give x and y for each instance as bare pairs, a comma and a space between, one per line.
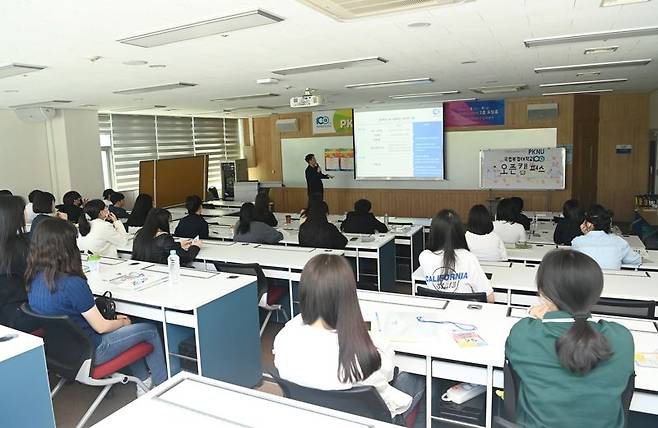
572, 370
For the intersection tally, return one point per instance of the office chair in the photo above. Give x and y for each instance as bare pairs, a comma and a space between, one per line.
71, 356
629, 308
469, 297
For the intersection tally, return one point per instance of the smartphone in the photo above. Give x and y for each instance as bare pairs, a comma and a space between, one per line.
7, 337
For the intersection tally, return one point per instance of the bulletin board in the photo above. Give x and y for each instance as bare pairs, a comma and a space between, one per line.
170, 181
530, 168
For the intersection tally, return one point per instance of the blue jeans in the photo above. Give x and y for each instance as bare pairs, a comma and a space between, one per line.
115, 343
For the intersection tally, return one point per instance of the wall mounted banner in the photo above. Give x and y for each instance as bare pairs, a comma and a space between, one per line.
332, 122
474, 113
538, 169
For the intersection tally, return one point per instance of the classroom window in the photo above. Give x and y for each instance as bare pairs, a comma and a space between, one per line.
129, 139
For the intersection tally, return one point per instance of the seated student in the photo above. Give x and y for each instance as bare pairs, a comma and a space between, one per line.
568, 227
361, 220
447, 264
328, 346
44, 207
480, 237
5, 192
106, 196
14, 246
519, 217
72, 205
313, 199
153, 243
29, 209
58, 286
141, 208
506, 225
263, 212
317, 232
610, 251
100, 231
118, 202
572, 370
193, 224
248, 229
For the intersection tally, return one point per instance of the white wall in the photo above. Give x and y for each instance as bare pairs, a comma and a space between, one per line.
58, 155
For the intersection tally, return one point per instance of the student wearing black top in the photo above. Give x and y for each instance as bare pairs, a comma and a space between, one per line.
314, 176
519, 217
361, 220
118, 202
44, 207
72, 205
263, 212
5, 192
568, 227
141, 208
153, 242
317, 232
106, 196
14, 246
193, 224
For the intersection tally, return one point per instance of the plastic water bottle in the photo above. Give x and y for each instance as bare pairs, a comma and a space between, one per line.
174, 267
386, 219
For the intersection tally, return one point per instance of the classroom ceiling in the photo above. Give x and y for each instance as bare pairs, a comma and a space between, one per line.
473, 44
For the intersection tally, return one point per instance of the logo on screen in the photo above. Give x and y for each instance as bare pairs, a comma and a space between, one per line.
322, 120
437, 111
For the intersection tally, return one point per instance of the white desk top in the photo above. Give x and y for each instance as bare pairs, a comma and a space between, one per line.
537, 252
22, 343
188, 400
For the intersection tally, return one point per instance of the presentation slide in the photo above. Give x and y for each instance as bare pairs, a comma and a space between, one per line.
399, 144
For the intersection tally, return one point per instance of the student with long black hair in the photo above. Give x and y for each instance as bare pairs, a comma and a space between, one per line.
572, 370
101, 233
143, 204
14, 246
568, 227
480, 237
249, 229
153, 242
506, 225
263, 211
316, 231
447, 263
328, 346
58, 286
193, 224
609, 250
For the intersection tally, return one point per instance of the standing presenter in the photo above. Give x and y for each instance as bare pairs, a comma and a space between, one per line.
314, 176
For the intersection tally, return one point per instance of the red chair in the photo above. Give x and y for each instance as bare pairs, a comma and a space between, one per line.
71, 355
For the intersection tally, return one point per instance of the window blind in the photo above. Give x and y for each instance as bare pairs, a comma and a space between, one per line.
133, 140
174, 137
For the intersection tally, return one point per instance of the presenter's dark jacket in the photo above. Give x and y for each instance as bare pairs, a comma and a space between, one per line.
72, 212
357, 222
552, 396
191, 226
157, 250
314, 180
565, 231
320, 234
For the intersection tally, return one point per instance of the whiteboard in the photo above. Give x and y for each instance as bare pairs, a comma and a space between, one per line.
535, 168
462, 158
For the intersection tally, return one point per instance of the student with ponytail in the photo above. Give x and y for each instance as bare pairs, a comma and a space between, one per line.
329, 347
572, 370
100, 230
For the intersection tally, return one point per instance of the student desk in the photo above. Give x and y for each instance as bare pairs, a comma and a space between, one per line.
429, 348
199, 402
218, 309
24, 390
542, 215
178, 213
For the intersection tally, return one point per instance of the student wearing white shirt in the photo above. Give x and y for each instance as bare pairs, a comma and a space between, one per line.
328, 346
96, 234
506, 226
482, 241
106, 197
447, 264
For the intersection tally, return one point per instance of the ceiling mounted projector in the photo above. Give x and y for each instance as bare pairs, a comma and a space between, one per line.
307, 100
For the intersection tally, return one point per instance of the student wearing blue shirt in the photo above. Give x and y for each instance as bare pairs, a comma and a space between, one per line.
57, 286
608, 250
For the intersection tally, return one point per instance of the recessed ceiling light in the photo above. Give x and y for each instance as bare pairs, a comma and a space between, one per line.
376, 102
601, 50
15, 69
333, 65
343, 10
422, 95
88, 105
583, 82
608, 3
10, 91
402, 82
245, 97
419, 25
135, 62
586, 37
594, 65
502, 89
156, 88
593, 91
470, 61
157, 65
588, 73
209, 27
267, 81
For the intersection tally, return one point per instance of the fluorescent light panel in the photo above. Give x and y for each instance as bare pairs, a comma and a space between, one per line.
608, 3
15, 69
596, 35
210, 27
156, 88
460, 99
583, 82
499, 89
600, 50
373, 60
246, 97
593, 91
133, 108
387, 83
41, 104
422, 95
611, 64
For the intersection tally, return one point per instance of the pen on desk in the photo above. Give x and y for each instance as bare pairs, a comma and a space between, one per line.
379, 326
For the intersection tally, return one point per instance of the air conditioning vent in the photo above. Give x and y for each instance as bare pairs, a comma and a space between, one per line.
344, 10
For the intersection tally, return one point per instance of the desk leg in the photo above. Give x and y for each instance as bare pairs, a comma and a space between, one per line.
428, 392
228, 338
386, 267
488, 412
417, 245
290, 293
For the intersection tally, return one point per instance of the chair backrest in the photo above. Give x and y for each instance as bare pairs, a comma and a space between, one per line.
470, 297
253, 269
67, 346
213, 193
632, 308
359, 400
